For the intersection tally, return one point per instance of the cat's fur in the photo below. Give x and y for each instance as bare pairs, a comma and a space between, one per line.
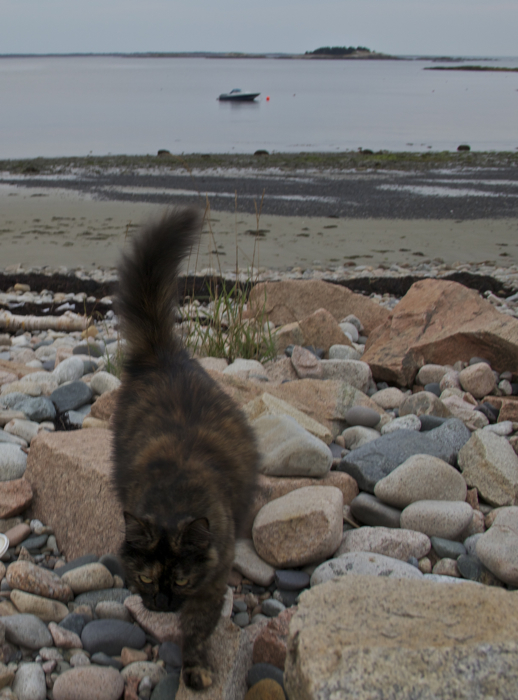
185, 457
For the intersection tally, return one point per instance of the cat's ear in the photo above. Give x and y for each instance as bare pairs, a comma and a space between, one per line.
197, 533
139, 533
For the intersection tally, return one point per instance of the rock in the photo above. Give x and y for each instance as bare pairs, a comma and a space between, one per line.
362, 416
245, 369
343, 352
369, 510
490, 464
90, 577
446, 567
321, 330
300, 528
30, 578
260, 671
37, 409
72, 472
478, 379
93, 598
363, 564
13, 462
408, 422
270, 488
464, 411
266, 404
27, 631
395, 543
358, 435
250, 564
440, 322
25, 429
29, 682
104, 382
15, 497
292, 300
64, 638
421, 478
374, 461
110, 636
270, 643
424, 403
389, 398
141, 669
17, 534
291, 580
447, 549
46, 609
89, 683
289, 450
431, 374
447, 519
354, 372
498, 547
266, 689
111, 610
71, 396
407, 628
306, 364
68, 370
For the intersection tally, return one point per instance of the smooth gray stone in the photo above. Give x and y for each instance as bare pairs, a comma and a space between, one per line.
372, 462
92, 349
369, 510
433, 388
73, 623
362, 415
272, 607
27, 631
74, 418
167, 688
470, 567
171, 654
118, 595
35, 542
13, 461
431, 422
114, 565
102, 659
260, 671
68, 397
38, 408
291, 580
288, 598
29, 683
447, 548
239, 606
110, 636
242, 619
89, 366
75, 563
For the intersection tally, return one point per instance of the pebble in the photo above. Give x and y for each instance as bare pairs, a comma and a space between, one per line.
110, 636
478, 379
343, 352
265, 689
289, 450
167, 688
142, 669
272, 607
291, 580
391, 542
497, 548
29, 682
363, 564
89, 577
27, 631
69, 370
89, 683
362, 415
357, 436
389, 398
421, 478
371, 511
102, 382
250, 564
447, 548
447, 519
71, 396
408, 422
13, 462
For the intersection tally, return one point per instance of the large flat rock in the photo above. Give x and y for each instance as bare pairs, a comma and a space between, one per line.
364, 637
70, 477
440, 322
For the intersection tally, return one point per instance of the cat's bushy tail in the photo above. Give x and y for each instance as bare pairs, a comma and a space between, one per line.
148, 283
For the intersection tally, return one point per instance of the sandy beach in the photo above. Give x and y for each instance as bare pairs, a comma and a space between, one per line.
62, 227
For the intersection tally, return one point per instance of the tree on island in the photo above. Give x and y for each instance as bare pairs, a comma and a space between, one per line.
337, 51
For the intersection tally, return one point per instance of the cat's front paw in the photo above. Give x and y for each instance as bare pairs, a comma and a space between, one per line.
197, 677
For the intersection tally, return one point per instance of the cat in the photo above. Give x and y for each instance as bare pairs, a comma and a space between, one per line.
185, 458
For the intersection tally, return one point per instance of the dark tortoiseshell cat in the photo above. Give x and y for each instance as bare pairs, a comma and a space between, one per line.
185, 457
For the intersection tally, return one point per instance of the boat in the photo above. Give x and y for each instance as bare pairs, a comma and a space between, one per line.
237, 95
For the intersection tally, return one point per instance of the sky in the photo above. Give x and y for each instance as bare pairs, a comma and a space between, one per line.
402, 27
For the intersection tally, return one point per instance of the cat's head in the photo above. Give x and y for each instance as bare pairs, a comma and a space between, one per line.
167, 566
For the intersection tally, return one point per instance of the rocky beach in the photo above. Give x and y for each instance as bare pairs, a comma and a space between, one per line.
380, 560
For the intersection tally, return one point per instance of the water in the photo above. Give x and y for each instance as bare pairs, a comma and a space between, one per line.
64, 106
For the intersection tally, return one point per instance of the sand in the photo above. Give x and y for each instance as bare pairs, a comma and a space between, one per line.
53, 227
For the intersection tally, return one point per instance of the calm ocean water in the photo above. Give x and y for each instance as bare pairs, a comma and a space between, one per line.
79, 105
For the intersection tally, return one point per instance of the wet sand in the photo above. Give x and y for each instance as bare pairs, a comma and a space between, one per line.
54, 227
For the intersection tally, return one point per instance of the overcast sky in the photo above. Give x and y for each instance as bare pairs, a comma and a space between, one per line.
423, 27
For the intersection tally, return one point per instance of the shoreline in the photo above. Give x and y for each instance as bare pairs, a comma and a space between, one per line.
53, 227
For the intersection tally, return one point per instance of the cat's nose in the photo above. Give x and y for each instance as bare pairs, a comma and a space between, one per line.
161, 601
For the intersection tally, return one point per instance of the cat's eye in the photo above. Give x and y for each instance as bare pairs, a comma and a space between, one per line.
181, 581
146, 579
